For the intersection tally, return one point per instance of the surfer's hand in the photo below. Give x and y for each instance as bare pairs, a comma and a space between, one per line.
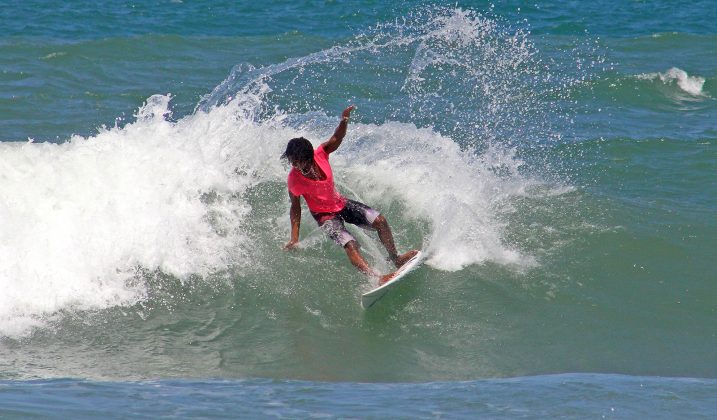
291, 245
347, 112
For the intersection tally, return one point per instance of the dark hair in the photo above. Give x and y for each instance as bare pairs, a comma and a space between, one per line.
299, 150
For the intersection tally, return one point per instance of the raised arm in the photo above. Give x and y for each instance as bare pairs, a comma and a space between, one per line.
295, 217
335, 141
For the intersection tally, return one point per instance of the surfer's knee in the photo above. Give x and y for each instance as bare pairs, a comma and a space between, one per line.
352, 246
380, 222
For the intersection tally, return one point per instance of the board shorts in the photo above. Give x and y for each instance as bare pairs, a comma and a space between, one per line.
356, 213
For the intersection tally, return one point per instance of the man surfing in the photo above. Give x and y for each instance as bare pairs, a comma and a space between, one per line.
311, 177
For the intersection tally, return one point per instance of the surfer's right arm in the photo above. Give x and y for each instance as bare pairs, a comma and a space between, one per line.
334, 142
295, 217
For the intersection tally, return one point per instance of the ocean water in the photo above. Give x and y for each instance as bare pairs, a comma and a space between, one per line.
556, 162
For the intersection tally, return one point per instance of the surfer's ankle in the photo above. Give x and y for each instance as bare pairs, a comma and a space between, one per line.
404, 258
383, 279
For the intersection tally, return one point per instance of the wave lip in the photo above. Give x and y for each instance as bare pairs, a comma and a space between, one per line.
689, 84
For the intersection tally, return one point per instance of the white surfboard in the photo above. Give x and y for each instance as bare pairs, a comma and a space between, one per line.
370, 297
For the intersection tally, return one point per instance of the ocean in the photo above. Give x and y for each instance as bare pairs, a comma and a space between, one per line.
557, 163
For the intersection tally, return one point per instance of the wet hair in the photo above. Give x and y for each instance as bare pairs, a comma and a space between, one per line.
299, 150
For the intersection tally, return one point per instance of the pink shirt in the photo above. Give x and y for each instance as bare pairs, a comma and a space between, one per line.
321, 196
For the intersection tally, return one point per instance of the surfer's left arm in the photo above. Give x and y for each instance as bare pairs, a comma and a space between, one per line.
295, 217
335, 141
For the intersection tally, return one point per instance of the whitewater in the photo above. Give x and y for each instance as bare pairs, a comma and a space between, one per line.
90, 216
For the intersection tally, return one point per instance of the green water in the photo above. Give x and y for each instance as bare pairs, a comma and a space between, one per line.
561, 182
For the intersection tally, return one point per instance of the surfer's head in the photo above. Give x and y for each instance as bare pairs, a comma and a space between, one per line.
299, 151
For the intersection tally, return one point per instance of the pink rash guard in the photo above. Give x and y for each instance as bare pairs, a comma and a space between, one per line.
321, 196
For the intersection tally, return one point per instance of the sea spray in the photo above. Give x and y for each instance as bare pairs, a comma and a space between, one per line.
468, 75
454, 191
473, 82
89, 217
80, 217
171, 195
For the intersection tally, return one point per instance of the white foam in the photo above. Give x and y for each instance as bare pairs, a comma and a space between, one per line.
79, 217
690, 84
461, 195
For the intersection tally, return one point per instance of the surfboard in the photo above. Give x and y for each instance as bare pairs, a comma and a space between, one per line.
370, 297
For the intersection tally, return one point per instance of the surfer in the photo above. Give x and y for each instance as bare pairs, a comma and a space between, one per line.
311, 177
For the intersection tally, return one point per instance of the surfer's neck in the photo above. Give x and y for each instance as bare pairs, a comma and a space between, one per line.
313, 172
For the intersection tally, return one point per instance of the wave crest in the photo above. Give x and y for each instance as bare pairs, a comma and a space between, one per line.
676, 76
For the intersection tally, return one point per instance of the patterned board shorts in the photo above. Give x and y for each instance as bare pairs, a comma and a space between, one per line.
356, 213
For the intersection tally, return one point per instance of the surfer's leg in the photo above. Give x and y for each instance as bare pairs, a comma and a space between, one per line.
360, 214
364, 216
336, 230
352, 251
386, 237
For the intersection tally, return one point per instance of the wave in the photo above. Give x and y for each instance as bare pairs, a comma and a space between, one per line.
86, 217
81, 216
85, 220
689, 84
671, 91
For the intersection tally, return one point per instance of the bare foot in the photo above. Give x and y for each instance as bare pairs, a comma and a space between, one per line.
403, 259
385, 279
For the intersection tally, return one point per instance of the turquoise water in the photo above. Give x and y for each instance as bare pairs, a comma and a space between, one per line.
556, 163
